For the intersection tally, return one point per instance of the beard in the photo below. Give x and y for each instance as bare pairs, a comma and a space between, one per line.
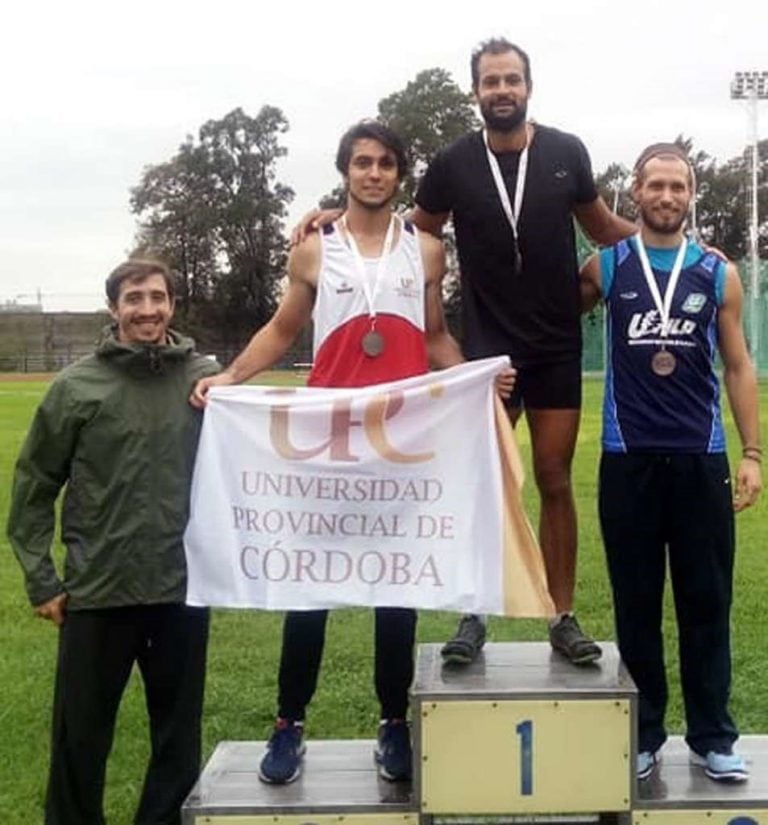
372, 205
668, 225
503, 123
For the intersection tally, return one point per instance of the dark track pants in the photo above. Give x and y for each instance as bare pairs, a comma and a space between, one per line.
303, 642
651, 505
97, 649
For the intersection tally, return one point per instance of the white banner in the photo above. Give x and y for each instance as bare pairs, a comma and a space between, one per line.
391, 495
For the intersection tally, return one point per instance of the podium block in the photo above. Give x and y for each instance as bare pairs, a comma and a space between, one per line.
519, 737
679, 793
338, 786
701, 817
522, 731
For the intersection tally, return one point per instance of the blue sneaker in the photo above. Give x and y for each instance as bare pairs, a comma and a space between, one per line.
646, 764
393, 751
722, 767
285, 751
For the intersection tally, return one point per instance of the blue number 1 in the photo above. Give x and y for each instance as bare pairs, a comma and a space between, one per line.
525, 730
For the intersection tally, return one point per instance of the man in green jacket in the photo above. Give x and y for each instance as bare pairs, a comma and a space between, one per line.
115, 430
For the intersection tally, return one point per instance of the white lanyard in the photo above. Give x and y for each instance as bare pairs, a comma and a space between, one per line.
371, 291
663, 306
513, 215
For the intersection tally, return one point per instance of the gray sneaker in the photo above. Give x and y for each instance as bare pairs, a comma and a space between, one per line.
566, 637
464, 647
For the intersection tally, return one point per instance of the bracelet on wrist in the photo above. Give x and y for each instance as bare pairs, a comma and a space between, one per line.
752, 457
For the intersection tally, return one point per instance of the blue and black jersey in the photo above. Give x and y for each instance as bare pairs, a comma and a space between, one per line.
642, 411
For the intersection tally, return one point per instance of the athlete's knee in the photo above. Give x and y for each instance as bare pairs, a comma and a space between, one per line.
553, 478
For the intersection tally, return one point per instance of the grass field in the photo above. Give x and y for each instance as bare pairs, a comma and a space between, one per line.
244, 648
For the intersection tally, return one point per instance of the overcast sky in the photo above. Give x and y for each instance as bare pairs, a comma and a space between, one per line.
92, 92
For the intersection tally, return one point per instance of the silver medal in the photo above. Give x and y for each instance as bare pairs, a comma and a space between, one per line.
373, 343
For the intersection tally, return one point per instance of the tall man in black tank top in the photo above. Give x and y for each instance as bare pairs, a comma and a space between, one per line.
512, 191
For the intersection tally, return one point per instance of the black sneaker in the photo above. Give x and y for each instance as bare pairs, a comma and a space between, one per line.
393, 750
566, 637
464, 647
285, 751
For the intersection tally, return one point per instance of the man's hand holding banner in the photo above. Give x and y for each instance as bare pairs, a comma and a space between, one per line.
401, 494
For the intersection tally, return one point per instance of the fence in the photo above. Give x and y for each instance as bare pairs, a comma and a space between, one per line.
47, 343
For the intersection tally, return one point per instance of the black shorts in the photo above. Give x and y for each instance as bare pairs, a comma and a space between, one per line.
548, 386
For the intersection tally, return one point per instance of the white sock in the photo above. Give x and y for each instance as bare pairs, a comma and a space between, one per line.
555, 620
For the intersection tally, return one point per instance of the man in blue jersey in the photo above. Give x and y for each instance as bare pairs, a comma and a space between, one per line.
664, 477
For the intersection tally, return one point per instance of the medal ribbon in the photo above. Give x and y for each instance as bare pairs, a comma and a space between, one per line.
513, 215
663, 306
371, 291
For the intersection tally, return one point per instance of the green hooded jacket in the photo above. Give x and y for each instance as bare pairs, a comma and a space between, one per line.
117, 431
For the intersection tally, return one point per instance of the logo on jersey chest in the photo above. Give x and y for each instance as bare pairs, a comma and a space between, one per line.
695, 302
407, 288
344, 288
649, 324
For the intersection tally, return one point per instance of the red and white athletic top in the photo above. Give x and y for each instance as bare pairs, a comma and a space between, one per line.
341, 316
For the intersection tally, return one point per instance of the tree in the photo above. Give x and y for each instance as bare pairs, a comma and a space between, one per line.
429, 113
724, 203
216, 212
613, 185
179, 225
335, 199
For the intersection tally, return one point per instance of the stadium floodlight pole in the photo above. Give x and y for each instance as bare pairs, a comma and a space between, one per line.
751, 87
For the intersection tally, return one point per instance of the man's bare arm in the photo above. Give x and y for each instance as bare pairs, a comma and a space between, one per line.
273, 340
590, 283
603, 226
318, 218
432, 223
313, 222
741, 385
442, 349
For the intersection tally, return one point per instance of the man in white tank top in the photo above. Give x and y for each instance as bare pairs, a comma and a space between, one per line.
373, 284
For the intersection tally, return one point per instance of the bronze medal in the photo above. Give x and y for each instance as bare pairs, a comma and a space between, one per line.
373, 343
663, 363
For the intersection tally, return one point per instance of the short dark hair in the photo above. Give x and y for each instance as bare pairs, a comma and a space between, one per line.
663, 150
498, 45
372, 130
137, 270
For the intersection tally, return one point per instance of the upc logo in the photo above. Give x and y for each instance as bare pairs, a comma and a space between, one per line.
377, 411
